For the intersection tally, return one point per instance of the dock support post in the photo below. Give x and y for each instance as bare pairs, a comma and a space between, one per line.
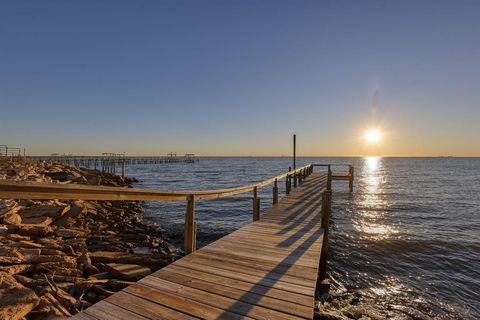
256, 205
295, 179
190, 226
275, 192
123, 166
325, 223
329, 179
350, 180
287, 184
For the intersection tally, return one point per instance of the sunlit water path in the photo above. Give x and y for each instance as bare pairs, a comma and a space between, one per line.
408, 237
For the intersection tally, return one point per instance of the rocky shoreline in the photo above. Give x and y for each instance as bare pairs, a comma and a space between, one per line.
59, 257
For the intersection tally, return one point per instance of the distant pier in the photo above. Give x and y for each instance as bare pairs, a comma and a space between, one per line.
111, 162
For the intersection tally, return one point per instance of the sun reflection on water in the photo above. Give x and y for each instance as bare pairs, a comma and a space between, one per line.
372, 206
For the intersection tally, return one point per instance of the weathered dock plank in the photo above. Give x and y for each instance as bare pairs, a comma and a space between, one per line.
265, 270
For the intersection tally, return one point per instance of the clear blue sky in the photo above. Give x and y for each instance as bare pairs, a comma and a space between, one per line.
239, 77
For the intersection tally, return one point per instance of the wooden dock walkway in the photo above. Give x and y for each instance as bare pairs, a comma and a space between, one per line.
265, 270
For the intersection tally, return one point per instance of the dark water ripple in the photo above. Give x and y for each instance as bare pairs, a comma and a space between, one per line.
408, 237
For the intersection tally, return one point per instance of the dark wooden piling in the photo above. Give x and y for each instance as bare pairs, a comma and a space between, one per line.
325, 222
256, 205
190, 224
275, 192
351, 177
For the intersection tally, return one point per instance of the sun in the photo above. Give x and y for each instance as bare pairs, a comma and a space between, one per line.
373, 135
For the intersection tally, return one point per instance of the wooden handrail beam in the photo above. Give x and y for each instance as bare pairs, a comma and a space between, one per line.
27, 190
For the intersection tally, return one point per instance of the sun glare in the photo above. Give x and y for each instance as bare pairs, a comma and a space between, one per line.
372, 135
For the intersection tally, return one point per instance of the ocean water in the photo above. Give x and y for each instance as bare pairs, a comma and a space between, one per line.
407, 237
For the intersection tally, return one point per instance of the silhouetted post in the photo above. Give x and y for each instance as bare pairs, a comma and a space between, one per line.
190, 225
256, 205
294, 151
350, 181
325, 223
294, 179
275, 192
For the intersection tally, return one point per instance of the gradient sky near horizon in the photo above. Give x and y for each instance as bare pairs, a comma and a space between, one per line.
240, 77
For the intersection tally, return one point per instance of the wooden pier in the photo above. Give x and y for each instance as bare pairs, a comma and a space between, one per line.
113, 162
268, 269
8, 152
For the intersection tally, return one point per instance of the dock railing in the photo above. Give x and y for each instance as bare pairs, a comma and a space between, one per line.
350, 176
9, 153
27, 190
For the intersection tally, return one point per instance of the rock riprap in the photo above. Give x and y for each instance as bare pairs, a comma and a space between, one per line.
59, 257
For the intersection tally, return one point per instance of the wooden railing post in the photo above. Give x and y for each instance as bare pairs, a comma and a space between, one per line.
287, 184
300, 177
350, 180
256, 205
295, 179
329, 179
190, 225
325, 223
275, 192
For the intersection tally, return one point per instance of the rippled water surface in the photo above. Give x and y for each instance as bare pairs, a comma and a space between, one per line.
409, 233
